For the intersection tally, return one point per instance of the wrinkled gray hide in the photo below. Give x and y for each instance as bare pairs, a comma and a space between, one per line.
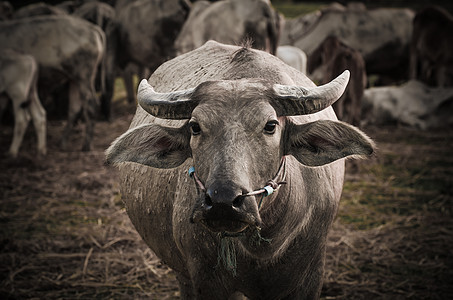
235, 152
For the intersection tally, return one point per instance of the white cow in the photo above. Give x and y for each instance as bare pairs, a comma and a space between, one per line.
413, 104
294, 57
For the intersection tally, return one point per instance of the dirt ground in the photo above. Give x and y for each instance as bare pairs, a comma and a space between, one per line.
64, 233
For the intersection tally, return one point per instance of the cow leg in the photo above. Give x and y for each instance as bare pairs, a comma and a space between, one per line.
441, 76
348, 108
89, 129
413, 64
107, 97
38, 115
128, 76
75, 108
90, 104
21, 119
3, 105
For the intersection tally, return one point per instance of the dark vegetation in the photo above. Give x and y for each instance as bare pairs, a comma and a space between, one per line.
64, 232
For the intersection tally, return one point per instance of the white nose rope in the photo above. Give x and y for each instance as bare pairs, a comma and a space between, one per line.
270, 187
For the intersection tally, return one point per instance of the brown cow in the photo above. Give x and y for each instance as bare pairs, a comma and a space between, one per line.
431, 56
333, 56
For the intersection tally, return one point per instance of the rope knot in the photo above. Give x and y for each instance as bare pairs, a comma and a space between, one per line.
272, 184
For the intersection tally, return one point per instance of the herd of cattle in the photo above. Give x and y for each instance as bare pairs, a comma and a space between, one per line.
261, 141
84, 45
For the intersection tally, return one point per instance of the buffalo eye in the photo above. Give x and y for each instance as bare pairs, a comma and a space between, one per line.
195, 128
270, 126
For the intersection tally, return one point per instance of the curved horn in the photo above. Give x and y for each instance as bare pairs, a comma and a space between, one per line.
173, 105
296, 100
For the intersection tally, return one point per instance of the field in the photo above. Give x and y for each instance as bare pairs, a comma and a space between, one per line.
64, 233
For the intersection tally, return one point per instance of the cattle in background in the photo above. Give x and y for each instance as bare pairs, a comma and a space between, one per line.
332, 57
18, 82
103, 15
143, 35
239, 117
6, 10
381, 35
37, 9
67, 49
412, 104
294, 57
68, 6
431, 57
119, 5
231, 22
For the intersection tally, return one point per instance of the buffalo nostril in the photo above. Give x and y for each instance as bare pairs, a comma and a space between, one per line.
208, 200
237, 202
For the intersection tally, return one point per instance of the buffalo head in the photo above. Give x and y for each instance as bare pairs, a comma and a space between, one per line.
236, 133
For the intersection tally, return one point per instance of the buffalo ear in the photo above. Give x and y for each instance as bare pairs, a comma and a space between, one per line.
152, 145
324, 141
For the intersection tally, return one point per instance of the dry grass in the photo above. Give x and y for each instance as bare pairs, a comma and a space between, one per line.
393, 237
65, 235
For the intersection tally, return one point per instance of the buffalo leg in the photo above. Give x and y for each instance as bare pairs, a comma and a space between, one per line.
128, 76
38, 115
90, 104
75, 109
21, 119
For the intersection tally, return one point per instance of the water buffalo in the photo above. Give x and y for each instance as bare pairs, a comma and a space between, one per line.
381, 35
245, 125
37, 9
65, 48
431, 59
294, 57
230, 22
143, 34
6, 10
333, 56
411, 104
103, 15
97, 13
18, 81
